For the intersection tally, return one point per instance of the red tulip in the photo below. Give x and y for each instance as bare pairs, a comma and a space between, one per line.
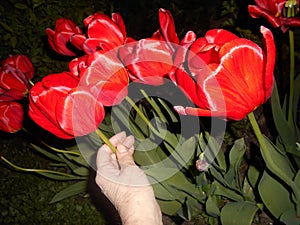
272, 10
77, 65
103, 33
230, 76
106, 76
14, 77
22, 62
148, 60
11, 116
59, 37
59, 106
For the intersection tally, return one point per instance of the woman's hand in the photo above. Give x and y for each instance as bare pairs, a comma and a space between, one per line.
125, 184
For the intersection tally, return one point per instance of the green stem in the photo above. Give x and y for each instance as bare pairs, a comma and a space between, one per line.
292, 76
271, 165
30, 81
52, 148
160, 114
61, 151
106, 141
141, 114
35, 170
291, 13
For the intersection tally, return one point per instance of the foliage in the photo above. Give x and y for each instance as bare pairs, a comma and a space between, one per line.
236, 189
25, 197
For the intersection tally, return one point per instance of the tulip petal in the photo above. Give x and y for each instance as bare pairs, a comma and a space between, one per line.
106, 76
257, 12
106, 31
44, 97
270, 59
11, 116
13, 79
79, 113
219, 36
117, 18
147, 60
167, 27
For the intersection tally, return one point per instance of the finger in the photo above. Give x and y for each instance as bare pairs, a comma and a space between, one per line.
129, 142
124, 156
105, 157
118, 138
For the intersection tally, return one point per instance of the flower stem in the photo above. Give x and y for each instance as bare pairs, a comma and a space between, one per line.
141, 114
292, 76
291, 13
271, 165
37, 170
52, 148
106, 141
61, 151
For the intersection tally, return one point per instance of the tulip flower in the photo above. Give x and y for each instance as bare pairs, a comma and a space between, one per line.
59, 37
103, 33
22, 62
147, 60
150, 60
11, 116
106, 76
59, 106
77, 65
16, 71
272, 10
227, 76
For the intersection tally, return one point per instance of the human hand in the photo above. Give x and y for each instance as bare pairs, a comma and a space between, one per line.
125, 184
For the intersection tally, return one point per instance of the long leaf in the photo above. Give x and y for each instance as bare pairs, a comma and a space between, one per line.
285, 130
46, 153
274, 195
74, 189
238, 213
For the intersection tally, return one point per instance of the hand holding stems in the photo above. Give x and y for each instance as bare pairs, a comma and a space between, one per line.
125, 184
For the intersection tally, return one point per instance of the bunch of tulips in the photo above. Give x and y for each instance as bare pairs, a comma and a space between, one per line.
72, 103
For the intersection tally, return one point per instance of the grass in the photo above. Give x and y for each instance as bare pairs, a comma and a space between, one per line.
25, 197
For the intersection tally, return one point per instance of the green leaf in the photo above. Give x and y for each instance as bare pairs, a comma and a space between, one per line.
74, 189
253, 176
82, 171
181, 182
6, 27
190, 208
183, 153
248, 191
59, 177
144, 156
211, 206
46, 153
225, 191
297, 179
285, 130
235, 158
170, 112
238, 213
278, 157
274, 195
213, 151
169, 207
20, 6
175, 182
289, 217
163, 193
